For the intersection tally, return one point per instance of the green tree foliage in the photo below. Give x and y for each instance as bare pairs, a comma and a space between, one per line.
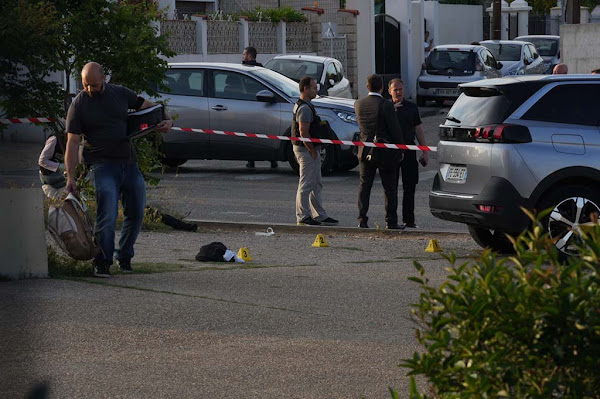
39, 38
527, 326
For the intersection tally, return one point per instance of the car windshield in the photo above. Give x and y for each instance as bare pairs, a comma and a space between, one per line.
296, 69
504, 52
451, 62
546, 47
287, 86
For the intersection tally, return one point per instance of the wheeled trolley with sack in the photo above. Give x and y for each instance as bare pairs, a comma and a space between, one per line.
72, 229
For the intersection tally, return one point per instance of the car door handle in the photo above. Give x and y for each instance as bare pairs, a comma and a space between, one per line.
219, 108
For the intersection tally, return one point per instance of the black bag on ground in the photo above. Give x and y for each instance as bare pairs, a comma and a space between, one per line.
212, 252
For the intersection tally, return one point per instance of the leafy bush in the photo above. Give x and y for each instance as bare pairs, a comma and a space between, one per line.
527, 326
274, 15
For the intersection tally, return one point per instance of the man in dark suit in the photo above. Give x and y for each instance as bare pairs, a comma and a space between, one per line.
377, 119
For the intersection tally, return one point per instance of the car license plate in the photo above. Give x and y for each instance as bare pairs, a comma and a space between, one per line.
456, 174
447, 92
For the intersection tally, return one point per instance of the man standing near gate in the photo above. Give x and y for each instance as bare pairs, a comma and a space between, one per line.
410, 122
377, 120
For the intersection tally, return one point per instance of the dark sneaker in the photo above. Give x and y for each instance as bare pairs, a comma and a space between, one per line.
250, 164
101, 269
125, 265
308, 222
274, 165
329, 222
411, 225
363, 225
395, 227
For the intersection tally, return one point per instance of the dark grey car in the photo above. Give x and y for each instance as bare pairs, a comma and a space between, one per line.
246, 99
531, 141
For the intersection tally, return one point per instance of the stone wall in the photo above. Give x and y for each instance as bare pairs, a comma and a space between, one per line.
263, 36
181, 35
223, 37
347, 28
298, 38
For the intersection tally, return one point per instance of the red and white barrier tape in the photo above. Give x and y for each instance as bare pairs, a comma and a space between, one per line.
26, 120
318, 141
258, 136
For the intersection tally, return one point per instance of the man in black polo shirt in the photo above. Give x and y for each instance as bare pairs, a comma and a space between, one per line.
99, 114
410, 121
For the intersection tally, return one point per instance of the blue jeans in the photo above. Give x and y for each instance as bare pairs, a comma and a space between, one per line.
114, 181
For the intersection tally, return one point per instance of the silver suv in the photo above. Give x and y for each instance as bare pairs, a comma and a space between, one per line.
530, 141
448, 66
246, 99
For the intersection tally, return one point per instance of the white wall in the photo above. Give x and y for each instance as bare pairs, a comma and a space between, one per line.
23, 244
432, 15
402, 11
580, 47
460, 24
168, 6
365, 48
416, 41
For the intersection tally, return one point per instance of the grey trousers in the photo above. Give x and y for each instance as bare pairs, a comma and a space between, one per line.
309, 202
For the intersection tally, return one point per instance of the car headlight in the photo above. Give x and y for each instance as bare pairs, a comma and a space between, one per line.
349, 117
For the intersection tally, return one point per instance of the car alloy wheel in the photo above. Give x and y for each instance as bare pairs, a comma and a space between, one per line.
566, 220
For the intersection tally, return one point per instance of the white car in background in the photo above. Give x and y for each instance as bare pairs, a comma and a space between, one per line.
518, 57
328, 72
449, 65
548, 46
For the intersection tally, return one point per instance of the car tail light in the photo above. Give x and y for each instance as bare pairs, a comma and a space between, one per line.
489, 208
503, 134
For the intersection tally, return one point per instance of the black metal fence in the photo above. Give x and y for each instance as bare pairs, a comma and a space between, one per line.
538, 25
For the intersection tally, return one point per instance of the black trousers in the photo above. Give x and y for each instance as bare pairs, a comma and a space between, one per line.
389, 180
409, 167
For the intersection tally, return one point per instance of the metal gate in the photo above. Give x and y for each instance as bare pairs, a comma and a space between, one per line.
387, 47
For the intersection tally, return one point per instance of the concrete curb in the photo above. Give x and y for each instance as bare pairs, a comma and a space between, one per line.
292, 228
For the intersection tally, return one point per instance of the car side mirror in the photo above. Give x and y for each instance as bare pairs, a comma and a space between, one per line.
499, 65
266, 96
331, 82
536, 56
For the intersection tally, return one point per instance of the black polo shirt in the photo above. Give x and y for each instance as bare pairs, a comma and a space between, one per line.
102, 120
409, 118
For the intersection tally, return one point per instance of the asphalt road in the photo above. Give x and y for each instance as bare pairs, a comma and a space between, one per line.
228, 191
296, 322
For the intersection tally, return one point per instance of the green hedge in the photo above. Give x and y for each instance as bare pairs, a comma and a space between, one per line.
273, 15
527, 326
